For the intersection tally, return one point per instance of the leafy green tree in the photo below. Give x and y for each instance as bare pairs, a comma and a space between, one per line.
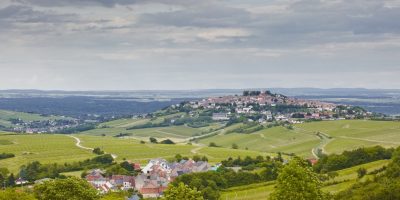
98, 151
297, 181
212, 144
182, 192
167, 141
235, 146
178, 157
117, 169
3, 175
153, 140
196, 158
11, 194
65, 189
11, 180
361, 172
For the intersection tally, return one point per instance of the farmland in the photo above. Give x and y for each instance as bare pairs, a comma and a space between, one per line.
345, 177
344, 135
173, 132
43, 148
133, 150
48, 148
176, 133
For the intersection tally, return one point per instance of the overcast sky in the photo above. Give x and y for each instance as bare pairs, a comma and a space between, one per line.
198, 44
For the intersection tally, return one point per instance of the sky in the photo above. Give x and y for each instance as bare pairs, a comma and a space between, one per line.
199, 44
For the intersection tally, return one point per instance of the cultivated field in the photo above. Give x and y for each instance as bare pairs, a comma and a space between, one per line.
301, 140
347, 177
344, 135
43, 148
133, 150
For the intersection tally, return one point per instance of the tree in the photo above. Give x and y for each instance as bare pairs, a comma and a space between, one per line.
361, 172
65, 189
167, 141
98, 151
153, 140
212, 144
11, 180
178, 157
11, 194
235, 146
196, 158
3, 175
297, 181
182, 192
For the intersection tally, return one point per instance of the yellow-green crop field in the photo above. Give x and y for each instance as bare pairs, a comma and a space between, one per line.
345, 135
346, 179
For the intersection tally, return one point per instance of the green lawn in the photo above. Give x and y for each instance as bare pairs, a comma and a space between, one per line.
43, 148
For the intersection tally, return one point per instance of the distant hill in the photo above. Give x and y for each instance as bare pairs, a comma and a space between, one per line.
377, 100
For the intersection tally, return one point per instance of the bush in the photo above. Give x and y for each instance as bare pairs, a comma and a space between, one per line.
98, 151
6, 155
167, 141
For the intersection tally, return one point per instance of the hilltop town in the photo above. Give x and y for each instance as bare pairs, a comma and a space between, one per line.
263, 107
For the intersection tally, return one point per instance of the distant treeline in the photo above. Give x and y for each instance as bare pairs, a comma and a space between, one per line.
81, 107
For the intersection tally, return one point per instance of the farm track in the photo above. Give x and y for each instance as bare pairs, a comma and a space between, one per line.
78, 144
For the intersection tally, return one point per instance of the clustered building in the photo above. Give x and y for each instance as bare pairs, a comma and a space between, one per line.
153, 179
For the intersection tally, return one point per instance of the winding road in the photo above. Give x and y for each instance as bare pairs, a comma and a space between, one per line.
78, 144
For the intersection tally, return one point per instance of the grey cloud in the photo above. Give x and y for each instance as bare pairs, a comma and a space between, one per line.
106, 3
201, 16
26, 14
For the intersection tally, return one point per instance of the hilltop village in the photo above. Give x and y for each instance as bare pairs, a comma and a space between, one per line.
263, 107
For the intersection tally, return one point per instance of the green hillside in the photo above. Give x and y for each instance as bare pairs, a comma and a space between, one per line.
346, 178
344, 135
43, 148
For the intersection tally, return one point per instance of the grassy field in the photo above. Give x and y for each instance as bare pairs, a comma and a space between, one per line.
43, 148
131, 149
351, 134
269, 140
124, 123
345, 135
263, 190
176, 133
